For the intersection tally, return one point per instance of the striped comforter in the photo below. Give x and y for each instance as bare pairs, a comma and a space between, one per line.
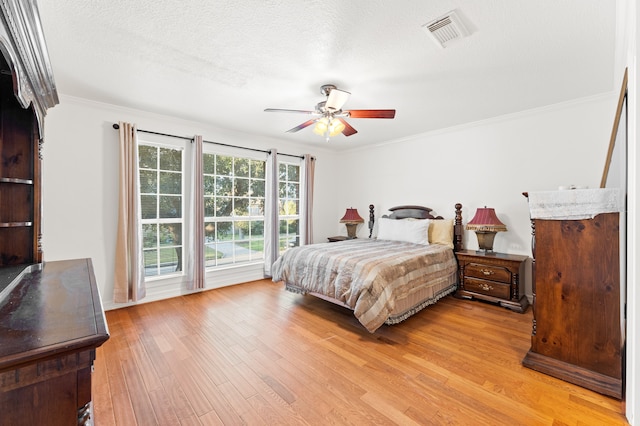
369, 276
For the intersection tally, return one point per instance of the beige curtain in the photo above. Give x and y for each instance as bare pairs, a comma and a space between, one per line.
271, 222
129, 265
195, 251
308, 171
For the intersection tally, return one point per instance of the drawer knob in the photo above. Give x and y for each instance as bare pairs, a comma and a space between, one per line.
486, 287
486, 272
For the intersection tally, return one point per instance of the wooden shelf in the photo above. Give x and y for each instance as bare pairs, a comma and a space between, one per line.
16, 180
15, 224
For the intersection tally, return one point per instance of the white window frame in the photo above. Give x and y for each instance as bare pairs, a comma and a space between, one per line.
241, 154
181, 146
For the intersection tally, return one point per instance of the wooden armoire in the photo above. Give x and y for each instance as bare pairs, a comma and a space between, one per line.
578, 331
51, 316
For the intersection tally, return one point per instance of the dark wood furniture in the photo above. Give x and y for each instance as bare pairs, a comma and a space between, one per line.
577, 331
51, 323
337, 238
51, 317
26, 91
495, 277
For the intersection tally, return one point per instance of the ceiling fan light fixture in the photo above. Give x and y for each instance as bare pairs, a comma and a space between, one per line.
321, 126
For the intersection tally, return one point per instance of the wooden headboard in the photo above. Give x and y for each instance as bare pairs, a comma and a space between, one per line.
421, 212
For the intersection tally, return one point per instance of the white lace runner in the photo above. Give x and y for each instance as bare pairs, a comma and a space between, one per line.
574, 204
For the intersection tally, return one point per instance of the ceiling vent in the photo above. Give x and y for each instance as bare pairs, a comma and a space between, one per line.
446, 29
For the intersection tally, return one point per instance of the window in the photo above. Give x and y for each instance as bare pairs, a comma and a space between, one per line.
289, 205
161, 202
234, 189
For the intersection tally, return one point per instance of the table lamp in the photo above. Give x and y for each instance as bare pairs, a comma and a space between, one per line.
486, 224
351, 219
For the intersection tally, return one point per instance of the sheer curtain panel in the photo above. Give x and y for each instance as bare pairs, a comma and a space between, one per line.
129, 262
195, 250
308, 170
271, 212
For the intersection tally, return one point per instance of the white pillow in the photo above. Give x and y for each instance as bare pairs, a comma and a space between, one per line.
410, 231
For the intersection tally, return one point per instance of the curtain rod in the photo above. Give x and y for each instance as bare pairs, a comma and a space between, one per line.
117, 126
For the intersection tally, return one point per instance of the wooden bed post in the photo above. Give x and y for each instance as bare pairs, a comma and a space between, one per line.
371, 219
458, 230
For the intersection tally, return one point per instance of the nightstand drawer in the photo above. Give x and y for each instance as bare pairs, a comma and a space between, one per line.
489, 288
488, 272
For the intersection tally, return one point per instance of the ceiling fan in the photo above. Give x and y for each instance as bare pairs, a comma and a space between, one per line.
330, 118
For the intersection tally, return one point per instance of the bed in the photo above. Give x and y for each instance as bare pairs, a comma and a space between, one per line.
384, 280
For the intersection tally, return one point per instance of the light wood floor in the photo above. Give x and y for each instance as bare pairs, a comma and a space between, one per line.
255, 354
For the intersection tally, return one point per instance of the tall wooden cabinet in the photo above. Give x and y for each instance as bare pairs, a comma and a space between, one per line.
577, 331
51, 316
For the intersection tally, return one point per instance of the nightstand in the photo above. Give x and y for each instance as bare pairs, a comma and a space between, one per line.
338, 238
495, 277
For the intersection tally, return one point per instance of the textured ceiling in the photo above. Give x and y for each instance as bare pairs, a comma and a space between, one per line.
224, 62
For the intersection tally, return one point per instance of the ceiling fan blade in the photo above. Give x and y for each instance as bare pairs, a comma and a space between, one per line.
348, 130
299, 111
301, 126
336, 99
372, 113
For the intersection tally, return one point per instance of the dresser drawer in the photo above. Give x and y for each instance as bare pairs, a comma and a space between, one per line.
488, 272
489, 288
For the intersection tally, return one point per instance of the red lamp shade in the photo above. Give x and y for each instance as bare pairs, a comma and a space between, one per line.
486, 220
351, 216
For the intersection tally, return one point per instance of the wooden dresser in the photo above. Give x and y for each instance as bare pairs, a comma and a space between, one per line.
577, 332
51, 322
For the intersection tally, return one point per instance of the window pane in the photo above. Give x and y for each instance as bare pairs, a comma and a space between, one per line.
147, 157
292, 227
241, 187
209, 184
170, 234
257, 188
149, 235
170, 260
148, 182
223, 207
241, 230
241, 167
211, 255
209, 232
256, 207
293, 173
209, 207
288, 208
170, 183
224, 165
224, 186
225, 231
292, 190
170, 159
241, 207
209, 163
225, 253
257, 229
282, 189
282, 172
150, 262
149, 206
170, 206
257, 169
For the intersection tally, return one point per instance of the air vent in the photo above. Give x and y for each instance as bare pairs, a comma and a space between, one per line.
446, 29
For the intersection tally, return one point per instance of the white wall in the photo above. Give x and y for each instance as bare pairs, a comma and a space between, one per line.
488, 163
80, 183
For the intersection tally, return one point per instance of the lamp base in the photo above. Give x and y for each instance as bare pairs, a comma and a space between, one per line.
485, 240
351, 230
